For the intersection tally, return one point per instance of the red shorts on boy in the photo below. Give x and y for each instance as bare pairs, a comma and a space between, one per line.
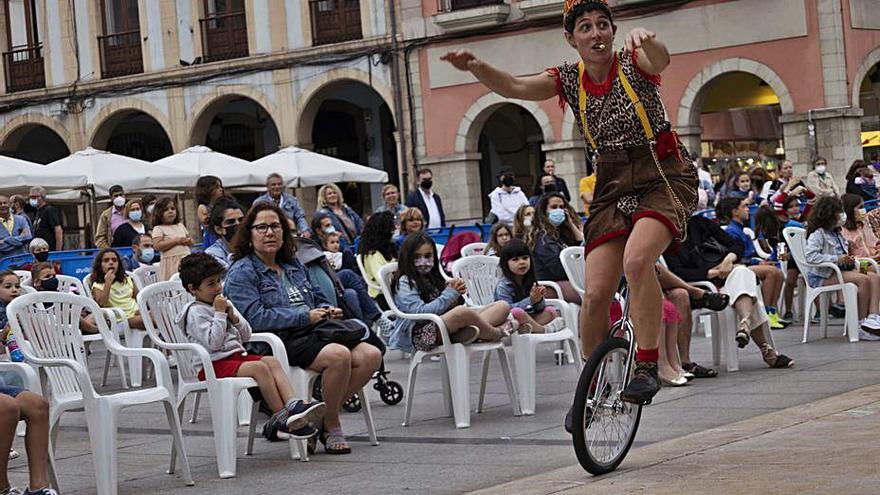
228, 366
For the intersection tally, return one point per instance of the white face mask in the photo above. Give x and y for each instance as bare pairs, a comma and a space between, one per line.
527, 221
820, 169
841, 219
119, 201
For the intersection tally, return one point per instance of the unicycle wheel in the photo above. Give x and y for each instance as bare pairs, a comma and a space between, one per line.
604, 426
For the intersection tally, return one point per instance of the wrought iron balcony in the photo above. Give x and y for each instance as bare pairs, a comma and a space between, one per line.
24, 68
224, 36
121, 54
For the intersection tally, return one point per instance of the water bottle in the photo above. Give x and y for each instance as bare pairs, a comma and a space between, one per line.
15, 353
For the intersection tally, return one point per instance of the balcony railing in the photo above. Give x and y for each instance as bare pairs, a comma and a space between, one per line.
121, 54
224, 36
452, 5
335, 21
24, 68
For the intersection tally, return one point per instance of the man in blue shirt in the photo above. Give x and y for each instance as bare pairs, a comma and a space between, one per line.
287, 202
737, 211
142, 253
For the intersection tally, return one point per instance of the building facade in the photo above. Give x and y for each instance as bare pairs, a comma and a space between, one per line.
363, 80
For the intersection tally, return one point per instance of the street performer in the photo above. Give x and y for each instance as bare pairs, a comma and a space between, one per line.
646, 189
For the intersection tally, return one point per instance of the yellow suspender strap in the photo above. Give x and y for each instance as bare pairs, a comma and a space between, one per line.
637, 104
582, 105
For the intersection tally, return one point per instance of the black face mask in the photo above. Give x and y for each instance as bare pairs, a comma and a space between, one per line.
507, 181
549, 188
426, 184
230, 233
41, 256
50, 284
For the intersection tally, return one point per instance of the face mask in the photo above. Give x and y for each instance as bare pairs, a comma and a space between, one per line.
556, 216
136, 215
119, 201
527, 221
150, 209
50, 284
147, 255
41, 256
427, 184
861, 213
841, 219
230, 232
34, 202
424, 265
329, 230
744, 188
820, 169
507, 181
549, 188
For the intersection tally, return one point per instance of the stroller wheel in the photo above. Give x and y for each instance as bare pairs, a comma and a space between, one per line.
353, 404
391, 393
317, 394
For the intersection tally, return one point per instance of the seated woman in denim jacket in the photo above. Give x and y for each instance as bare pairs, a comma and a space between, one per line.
273, 292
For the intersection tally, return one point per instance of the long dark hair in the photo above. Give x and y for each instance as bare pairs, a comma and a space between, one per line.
242, 246
855, 169
514, 249
98, 270
850, 203
204, 186
767, 222
824, 214
541, 223
159, 210
377, 236
429, 284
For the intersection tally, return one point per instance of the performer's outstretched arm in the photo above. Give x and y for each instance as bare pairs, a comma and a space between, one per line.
537, 87
652, 54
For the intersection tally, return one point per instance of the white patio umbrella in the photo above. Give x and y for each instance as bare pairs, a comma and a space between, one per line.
103, 169
234, 172
303, 168
19, 174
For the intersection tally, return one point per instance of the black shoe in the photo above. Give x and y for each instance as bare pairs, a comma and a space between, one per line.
789, 316
837, 311
569, 427
644, 384
715, 301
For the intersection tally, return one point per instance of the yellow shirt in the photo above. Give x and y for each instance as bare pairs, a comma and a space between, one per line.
587, 184
9, 223
121, 296
372, 263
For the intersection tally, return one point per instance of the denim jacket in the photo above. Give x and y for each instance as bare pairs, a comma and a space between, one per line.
505, 291
290, 207
220, 251
258, 292
408, 300
16, 241
824, 246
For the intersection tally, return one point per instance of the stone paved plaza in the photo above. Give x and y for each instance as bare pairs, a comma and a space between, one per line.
431, 456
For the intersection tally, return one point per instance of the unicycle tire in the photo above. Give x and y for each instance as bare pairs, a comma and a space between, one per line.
609, 416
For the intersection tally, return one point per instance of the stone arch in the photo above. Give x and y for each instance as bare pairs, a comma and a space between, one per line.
13, 130
692, 100
106, 119
872, 59
311, 95
216, 99
467, 138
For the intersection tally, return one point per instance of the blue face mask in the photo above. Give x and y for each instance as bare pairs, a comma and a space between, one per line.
329, 230
136, 215
556, 216
147, 255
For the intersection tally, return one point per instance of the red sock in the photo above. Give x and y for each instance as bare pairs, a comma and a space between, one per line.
649, 355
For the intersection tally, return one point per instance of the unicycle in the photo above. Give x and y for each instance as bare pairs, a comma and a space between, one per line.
604, 426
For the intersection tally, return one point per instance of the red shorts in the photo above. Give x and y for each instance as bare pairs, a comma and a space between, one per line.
228, 366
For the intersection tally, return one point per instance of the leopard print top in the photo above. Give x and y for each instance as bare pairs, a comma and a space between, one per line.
614, 123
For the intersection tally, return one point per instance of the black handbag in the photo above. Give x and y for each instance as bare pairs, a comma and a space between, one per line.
712, 252
346, 332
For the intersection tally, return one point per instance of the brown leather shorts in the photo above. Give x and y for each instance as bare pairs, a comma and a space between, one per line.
629, 187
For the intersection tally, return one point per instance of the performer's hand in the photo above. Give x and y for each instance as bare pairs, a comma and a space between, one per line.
460, 59
636, 37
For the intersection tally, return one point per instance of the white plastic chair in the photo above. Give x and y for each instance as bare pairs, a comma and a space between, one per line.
455, 359
148, 275
56, 344
134, 337
368, 280
473, 248
481, 275
572, 259
163, 301
440, 248
797, 242
24, 276
175, 277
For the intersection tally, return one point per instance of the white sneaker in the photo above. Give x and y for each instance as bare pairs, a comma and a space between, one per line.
863, 335
870, 322
554, 326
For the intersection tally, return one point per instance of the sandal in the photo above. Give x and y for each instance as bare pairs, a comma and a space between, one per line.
334, 442
743, 335
699, 371
715, 301
774, 359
